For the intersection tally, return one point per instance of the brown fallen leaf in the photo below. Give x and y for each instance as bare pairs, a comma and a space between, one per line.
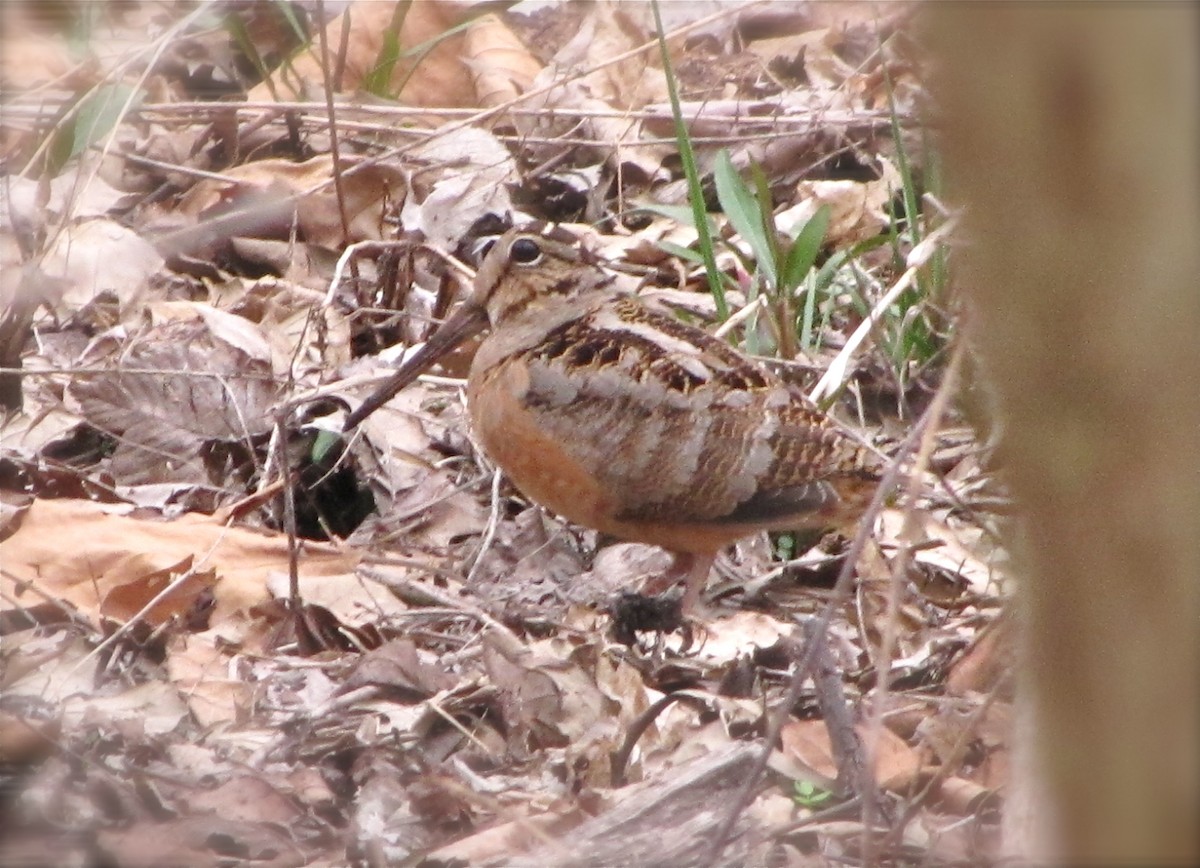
897, 765
269, 198
202, 390
245, 796
436, 78
99, 256
199, 841
857, 209
988, 663
198, 666
609, 29
500, 64
397, 666
31, 53
109, 551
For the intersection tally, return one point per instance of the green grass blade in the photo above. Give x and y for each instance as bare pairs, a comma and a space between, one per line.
744, 211
378, 79
289, 15
804, 250
678, 250
98, 114
807, 315
903, 166
688, 156
766, 209
236, 29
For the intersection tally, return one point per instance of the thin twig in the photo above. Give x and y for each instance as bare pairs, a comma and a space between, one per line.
334, 148
284, 470
489, 534
844, 743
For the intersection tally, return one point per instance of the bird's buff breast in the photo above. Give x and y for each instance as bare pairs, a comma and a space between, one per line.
537, 464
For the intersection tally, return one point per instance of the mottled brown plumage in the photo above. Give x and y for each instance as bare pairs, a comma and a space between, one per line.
620, 417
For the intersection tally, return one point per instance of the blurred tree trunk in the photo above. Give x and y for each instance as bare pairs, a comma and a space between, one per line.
1072, 135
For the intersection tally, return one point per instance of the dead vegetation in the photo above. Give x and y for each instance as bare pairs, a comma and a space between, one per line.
231, 634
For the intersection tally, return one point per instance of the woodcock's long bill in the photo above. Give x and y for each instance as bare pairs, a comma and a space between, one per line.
617, 416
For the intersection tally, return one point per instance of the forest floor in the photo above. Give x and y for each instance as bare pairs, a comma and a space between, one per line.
232, 634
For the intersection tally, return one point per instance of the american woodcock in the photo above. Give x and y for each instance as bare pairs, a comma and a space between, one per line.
618, 416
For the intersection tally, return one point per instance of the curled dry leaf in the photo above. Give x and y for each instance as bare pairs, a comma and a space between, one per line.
289, 335
401, 434
943, 553
437, 513
473, 170
198, 840
147, 710
246, 795
609, 29
963, 797
728, 638
238, 332
530, 569
29, 58
397, 666
531, 702
78, 193
501, 66
988, 663
58, 672
617, 568
199, 667
50, 667
550, 700
496, 845
108, 577
858, 209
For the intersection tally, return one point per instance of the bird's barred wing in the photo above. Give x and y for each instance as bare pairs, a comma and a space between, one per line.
678, 425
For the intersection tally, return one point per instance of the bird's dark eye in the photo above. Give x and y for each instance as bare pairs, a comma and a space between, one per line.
525, 251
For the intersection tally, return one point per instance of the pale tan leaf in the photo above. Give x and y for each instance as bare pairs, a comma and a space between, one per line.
199, 667
896, 764
475, 169
111, 550
858, 209
500, 64
99, 256
148, 710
